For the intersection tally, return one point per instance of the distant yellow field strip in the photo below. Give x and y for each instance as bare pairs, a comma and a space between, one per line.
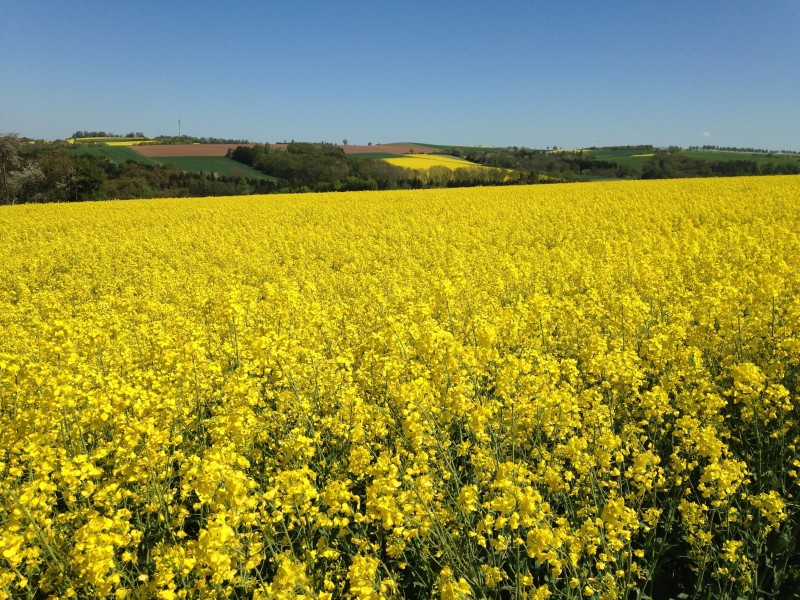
426, 161
112, 141
130, 142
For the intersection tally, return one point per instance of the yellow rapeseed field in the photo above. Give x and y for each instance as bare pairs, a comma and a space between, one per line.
113, 141
426, 161
440, 170
130, 142
573, 391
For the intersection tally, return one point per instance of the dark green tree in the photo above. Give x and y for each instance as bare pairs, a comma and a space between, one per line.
9, 161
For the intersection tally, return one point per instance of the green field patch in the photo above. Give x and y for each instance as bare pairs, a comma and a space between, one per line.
359, 155
638, 158
760, 158
221, 165
462, 148
117, 154
632, 158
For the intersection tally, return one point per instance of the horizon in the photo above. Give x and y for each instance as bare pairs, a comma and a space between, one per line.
572, 75
439, 146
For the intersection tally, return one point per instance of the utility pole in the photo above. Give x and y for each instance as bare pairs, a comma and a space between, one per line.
179, 128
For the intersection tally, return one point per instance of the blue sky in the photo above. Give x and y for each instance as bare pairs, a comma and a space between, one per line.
567, 73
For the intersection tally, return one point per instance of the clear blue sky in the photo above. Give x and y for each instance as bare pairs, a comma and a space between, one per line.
566, 73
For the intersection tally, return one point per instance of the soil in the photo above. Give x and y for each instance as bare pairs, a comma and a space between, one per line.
172, 150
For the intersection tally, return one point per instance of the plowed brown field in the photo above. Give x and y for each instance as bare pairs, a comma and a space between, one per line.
172, 150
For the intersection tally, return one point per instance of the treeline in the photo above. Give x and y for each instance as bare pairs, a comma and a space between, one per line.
638, 148
48, 172
667, 164
561, 165
104, 134
188, 139
32, 173
138, 180
579, 165
85, 137
737, 149
324, 167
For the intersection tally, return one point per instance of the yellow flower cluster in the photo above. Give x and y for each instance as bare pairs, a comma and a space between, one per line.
544, 392
439, 169
426, 161
130, 142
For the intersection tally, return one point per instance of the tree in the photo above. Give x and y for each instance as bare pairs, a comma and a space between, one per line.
89, 179
9, 161
26, 183
58, 175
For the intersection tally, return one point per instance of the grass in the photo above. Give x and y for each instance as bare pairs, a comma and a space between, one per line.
759, 158
118, 154
463, 148
632, 158
221, 165
358, 155
637, 159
